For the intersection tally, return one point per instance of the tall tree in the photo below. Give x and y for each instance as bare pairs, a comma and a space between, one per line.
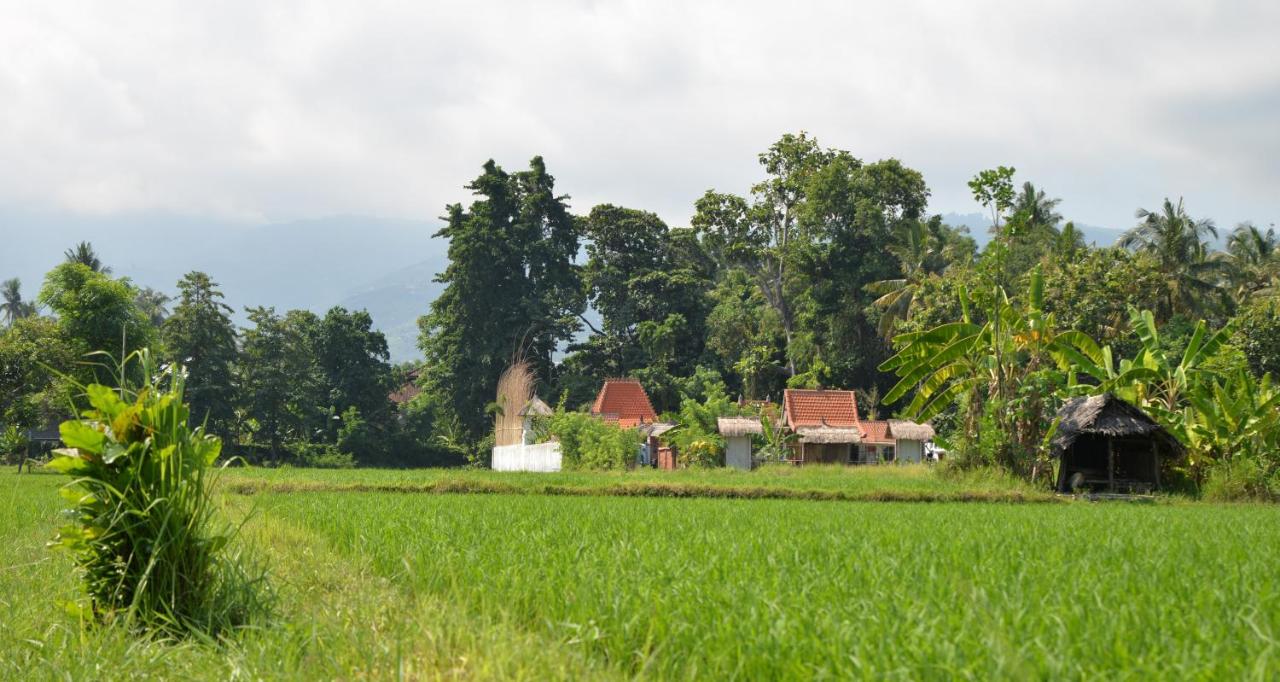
276, 374
511, 287
35, 358
1255, 257
154, 304
1192, 272
200, 336
97, 311
14, 307
84, 254
354, 362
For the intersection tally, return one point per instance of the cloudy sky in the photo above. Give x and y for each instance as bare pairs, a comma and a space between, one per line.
257, 112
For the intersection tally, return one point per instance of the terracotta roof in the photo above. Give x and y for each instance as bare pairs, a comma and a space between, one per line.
405, 393
820, 407
876, 431
624, 401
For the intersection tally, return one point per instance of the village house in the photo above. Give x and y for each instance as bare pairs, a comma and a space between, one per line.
893, 440
624, 402
825, 423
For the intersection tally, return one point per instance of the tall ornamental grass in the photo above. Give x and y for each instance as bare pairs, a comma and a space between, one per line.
146, 535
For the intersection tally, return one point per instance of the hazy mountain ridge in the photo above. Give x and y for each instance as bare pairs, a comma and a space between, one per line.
979, 225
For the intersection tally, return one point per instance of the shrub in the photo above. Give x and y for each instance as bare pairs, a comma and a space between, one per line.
13, 444
321, 456
1241, 479
146, 539
587, 442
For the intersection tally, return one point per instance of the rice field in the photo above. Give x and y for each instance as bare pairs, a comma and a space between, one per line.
397, 583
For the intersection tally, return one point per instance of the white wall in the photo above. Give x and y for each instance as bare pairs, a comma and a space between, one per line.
737, 453
910, 451
540, 457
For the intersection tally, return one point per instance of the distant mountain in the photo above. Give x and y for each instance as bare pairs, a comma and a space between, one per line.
359, 262
979, 225
396, 301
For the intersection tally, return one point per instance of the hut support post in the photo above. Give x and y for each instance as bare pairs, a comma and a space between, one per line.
1111, 465
1155, 464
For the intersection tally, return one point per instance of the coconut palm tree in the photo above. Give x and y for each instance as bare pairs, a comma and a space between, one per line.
1037, 209
84, 254
1256, 257
1193, 272
153, 304
919, 259
14, 307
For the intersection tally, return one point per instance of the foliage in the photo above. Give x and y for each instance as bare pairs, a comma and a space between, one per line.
697, 435
12, 305
1257, 334
1193, 274
201, 337
96, 311
510, 288
588, 442
777, 440
35, 360
13, 444
146, 537
321, 455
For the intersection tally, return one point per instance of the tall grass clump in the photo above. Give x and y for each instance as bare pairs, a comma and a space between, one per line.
146, 535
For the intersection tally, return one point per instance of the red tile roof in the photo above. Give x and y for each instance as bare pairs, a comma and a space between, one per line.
876, 431
624, 401
820, 407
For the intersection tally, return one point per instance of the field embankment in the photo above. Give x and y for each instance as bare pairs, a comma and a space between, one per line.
829, 483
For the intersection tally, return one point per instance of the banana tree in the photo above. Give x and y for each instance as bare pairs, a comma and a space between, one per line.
1235, 416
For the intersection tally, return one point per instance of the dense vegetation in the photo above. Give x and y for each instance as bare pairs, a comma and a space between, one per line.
827, 272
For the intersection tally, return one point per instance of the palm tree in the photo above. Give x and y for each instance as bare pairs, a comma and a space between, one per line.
153, 303
14, 307
1036, 208
1193, 273
919, 260
1256, 257
84, 254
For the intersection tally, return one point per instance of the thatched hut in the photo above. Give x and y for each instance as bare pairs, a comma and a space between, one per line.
737, 432
1105, 444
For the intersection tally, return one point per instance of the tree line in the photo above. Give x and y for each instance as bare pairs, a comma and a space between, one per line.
292, 387
818, 275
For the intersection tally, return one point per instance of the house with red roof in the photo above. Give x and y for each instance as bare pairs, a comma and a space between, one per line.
624, 402
893, 440
826, 425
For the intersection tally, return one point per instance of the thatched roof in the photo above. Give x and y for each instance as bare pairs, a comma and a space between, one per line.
829, 434
1107, 415
536, 408
739, 426
908, 430
655, 428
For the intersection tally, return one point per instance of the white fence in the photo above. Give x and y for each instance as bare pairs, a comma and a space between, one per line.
540, 457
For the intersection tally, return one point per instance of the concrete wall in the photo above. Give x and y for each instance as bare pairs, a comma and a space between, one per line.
910, 451
540, 457
737, 452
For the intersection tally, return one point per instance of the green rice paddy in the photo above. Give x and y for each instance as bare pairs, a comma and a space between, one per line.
376, 578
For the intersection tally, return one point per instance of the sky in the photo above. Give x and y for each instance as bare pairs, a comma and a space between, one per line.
258, 112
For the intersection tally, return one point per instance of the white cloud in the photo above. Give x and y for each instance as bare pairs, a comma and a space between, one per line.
300, 109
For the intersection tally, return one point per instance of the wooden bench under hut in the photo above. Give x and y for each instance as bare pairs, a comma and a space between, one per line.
1104, 444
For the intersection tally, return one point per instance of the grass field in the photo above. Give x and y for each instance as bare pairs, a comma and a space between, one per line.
374, 580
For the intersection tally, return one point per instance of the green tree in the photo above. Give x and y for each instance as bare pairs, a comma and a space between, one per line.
35, 359
1255, 257
511, 286
1257, 335
1192, 273
96, 311
276, 375
84, 254
153, 304
200, 336
14, 307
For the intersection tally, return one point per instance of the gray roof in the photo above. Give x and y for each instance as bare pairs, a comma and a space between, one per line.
739, 426
1107, 415
829, 434
535, 407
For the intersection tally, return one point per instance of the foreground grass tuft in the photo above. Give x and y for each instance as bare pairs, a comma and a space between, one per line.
145, 535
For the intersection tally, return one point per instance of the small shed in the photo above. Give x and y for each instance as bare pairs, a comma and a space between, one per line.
909, 439
1105, 444
737, 432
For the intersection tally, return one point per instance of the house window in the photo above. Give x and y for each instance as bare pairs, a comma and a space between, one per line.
889, 454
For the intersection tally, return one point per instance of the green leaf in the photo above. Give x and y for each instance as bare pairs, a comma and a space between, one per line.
81, 436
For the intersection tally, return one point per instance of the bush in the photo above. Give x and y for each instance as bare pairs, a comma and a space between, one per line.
1241, 479
146, 539
13, 445
321, 456
587, 442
